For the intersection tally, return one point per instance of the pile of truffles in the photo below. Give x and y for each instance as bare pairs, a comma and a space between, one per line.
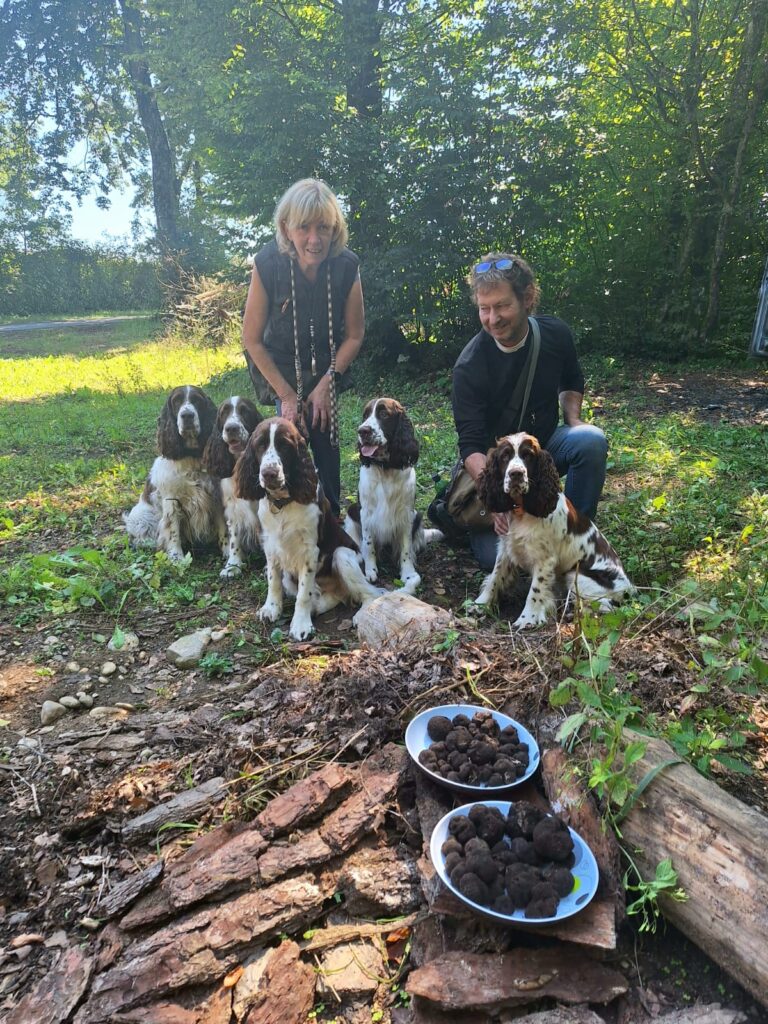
517, 862
474, 751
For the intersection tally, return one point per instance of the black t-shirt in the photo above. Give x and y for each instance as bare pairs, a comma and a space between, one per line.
484, 378
311, 308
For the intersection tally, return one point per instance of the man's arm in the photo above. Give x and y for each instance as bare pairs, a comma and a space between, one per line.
570, 403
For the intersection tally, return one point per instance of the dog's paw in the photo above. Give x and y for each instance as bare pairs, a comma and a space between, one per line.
231, 571
372, 573
270, 612
529, 620
301, 627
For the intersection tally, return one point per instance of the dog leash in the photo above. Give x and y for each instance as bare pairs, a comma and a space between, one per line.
334, 426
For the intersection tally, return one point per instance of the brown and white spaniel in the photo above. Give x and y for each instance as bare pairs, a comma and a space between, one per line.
307, 551
385, 514
236, 420
180, 504
547, 536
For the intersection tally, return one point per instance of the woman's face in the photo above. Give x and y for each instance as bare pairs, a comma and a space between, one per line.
312, 242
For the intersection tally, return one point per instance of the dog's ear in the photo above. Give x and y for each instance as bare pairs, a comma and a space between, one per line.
169, 442
207, 412
217, 458
246, 474
490, 483
403, 448
301, 475
542, 496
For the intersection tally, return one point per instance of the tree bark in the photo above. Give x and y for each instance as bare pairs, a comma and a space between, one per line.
719, 848
165, 183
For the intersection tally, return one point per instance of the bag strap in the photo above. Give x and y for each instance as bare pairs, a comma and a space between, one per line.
522, 389
533, 358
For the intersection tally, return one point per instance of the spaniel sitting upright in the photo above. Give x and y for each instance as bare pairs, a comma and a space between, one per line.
547, 536
180, 504
236, 420
307, 551
385, 513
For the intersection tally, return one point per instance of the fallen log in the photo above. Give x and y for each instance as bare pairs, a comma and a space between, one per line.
719, 848
399, 615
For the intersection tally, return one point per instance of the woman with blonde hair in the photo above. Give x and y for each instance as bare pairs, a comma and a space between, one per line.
304, 320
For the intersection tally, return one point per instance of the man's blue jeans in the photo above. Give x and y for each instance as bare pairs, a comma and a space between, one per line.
580, 454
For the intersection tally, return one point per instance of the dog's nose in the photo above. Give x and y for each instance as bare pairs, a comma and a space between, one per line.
365, 434
269, 473
187, 416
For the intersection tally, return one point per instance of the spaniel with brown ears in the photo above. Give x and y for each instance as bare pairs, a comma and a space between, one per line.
180, 504
236, 420
385, 513
307, 551
547, 536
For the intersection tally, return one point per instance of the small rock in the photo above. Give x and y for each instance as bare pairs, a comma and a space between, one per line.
90, 923
51, 712
130, 643
70, 702
85, 699
51, 640
23, 952
72, 666
187, 651
218, 634
125, 705
29, 743
108, 668
136, 690
106, 712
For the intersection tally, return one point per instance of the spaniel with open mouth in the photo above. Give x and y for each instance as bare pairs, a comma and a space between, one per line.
179, 506
547, 536
385, 513
236, 420
308, 554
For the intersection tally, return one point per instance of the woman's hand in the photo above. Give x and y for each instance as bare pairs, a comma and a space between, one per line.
289, 409
319, 403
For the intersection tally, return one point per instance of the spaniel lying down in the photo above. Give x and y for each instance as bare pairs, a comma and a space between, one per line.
179, 506
307, 551
386, 514
547, 537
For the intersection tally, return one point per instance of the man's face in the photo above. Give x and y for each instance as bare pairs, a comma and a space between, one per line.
502, 314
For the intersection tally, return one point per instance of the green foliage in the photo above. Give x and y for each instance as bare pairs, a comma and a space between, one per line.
215, 664
76, 278
646, 901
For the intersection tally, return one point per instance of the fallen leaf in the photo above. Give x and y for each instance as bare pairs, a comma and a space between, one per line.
233, 977
27, 940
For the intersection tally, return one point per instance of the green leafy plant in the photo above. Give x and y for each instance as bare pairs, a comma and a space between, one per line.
647, 892
215, 664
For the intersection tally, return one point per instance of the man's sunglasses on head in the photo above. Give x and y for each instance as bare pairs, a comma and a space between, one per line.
482, 268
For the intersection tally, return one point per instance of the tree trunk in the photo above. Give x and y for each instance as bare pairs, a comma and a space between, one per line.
362, 21
749, 95
165, 184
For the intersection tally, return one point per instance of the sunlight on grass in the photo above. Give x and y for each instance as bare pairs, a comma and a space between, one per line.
154, 365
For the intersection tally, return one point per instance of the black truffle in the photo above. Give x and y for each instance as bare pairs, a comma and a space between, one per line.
552, 840
438, 727
474, 888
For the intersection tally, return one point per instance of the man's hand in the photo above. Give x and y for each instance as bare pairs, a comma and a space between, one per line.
500, 523
289, 409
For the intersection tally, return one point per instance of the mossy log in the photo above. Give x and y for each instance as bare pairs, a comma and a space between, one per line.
719, 848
